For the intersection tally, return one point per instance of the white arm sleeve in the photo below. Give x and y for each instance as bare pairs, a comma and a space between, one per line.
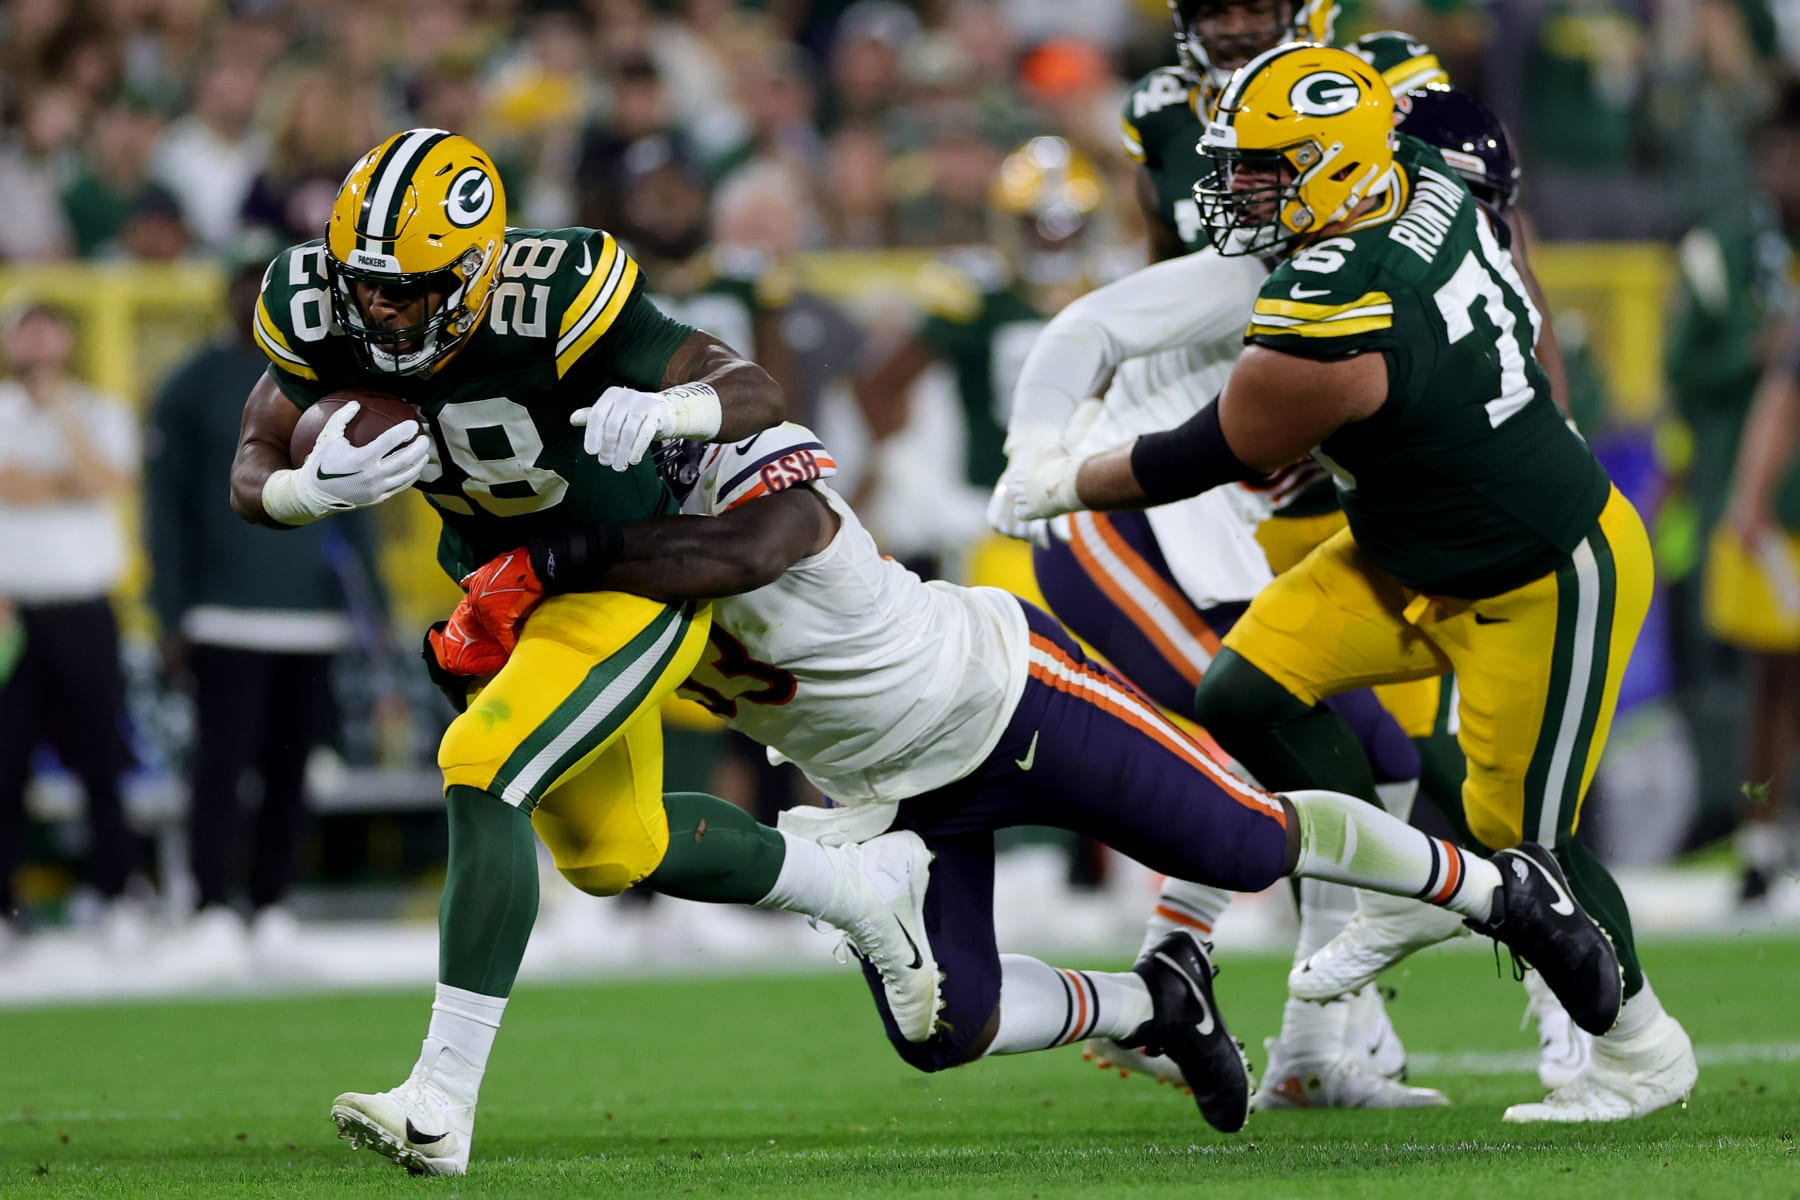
1197, 297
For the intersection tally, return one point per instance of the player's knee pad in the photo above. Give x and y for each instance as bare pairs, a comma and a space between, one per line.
601, 879
471, 753
613, 864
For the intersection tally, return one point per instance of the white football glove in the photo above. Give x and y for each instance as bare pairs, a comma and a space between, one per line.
1002, 514
1045, 484
624, 423
338, 476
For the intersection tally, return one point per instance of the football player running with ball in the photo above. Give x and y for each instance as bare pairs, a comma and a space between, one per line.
1395, 343
542, 376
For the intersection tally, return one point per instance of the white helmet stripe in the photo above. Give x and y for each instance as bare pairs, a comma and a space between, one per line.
1233, 98
381, 211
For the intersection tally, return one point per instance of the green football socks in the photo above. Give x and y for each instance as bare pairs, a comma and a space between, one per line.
717, 852
490, 893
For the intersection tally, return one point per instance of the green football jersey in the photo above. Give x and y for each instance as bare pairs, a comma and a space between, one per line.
978, 321
1466, 482
568, 319
1165, 114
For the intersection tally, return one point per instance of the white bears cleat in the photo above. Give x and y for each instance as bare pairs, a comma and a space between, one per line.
1563, 1047
1342, 1082
1107, 1055
1626, 1077
418, 1125
891, 873
1384, 930
1369, 1031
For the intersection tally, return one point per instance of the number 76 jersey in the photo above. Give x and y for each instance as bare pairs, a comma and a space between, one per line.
568, 319
1466, 482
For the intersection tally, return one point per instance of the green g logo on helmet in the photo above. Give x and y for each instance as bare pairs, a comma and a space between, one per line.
470, 198
1324, 94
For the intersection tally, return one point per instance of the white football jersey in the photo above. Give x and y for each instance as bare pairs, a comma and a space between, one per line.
1172, 332
876, 684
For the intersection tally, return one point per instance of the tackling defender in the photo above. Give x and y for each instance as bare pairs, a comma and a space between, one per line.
953, 712
508, 341
1395, 343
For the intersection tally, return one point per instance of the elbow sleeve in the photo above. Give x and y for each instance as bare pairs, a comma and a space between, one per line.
1191, 458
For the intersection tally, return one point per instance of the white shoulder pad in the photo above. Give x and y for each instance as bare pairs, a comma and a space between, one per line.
770, 461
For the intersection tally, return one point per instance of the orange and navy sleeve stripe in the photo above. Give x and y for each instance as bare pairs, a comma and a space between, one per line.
774, 468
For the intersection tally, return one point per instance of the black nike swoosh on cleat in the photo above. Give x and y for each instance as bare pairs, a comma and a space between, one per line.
423, 1139
1484, 619
918, 959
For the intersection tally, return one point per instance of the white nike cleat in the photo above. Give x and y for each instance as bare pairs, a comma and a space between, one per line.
1563, 1047
1384, 930
419, 1124
892, 873
1368, 1031
1627, 1076
1341, 1082
1107, 1055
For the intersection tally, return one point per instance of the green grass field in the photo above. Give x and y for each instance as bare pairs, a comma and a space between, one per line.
785, 1087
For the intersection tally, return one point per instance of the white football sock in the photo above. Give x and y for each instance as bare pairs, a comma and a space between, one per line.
809, 879
1346, 841
1314, 1033
1635, 1016
1043, 1006
464, 1022
1191, 907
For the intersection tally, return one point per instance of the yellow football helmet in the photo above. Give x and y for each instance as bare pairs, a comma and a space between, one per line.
1288, 21
1302, 135
1044, 196
421, 215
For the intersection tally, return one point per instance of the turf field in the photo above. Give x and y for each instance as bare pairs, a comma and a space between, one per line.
785, 1087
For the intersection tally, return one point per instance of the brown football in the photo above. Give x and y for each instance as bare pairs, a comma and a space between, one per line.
380, 412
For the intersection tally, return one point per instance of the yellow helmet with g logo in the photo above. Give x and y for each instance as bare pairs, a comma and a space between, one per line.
1045, 196
421, 215
1302, 135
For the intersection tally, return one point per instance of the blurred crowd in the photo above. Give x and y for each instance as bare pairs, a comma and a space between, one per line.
153, 129
720, 140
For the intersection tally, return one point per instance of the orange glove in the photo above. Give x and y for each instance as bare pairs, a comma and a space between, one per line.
464, 647
502, 592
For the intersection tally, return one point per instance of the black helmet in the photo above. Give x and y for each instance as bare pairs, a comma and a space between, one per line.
1469, 136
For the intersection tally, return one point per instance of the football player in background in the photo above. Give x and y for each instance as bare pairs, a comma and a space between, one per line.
984, 305
542, 376
953, 712
1395, 343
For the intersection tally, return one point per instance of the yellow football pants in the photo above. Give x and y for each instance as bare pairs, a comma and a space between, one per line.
1287, 541
1538, 667
570, 731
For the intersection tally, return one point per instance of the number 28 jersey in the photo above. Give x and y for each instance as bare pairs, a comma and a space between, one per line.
567, 320
877, 685
1466, 482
